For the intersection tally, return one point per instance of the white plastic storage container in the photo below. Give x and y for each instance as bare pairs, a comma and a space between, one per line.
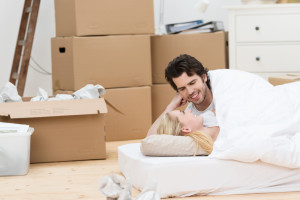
15, 153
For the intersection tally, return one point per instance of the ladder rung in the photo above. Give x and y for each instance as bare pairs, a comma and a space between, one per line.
21, 42
15, 75
28, 9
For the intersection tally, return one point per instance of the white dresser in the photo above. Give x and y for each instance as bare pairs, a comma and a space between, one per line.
265, 39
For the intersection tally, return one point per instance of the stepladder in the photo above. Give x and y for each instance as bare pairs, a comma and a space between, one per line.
24, 44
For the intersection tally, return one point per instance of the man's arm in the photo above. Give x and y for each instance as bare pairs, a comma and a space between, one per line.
176, 102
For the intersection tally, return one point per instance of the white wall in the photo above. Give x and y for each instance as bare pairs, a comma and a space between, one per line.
10, 16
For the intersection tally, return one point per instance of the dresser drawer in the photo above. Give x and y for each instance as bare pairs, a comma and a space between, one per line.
268, 58
268, 28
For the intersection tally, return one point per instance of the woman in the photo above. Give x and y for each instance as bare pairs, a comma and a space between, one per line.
184, 123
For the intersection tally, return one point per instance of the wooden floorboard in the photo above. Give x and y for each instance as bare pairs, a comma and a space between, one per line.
79, 180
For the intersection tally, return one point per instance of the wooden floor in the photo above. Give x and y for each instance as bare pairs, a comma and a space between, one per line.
79, 180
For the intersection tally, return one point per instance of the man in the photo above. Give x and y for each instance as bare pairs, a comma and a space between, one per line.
191, 81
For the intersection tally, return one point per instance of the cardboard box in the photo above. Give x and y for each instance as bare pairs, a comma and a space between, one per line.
161, 95
111, 61
15, 153
129, 113
288, 78
99, 17
64, 130
209, 48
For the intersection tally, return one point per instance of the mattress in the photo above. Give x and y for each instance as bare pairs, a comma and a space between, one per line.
201, 175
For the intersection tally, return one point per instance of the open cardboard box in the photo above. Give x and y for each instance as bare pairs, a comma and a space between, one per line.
64, 130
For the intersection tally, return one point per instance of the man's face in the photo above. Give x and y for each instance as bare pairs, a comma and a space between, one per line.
192, 88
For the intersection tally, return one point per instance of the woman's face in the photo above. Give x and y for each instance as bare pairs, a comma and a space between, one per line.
188, 119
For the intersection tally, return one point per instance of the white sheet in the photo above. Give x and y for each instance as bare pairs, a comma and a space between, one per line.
201, 175
257, 121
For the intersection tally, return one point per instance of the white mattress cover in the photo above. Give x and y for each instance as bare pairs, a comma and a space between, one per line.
200, 175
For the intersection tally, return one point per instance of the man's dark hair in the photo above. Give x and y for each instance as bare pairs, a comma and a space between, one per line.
185, 63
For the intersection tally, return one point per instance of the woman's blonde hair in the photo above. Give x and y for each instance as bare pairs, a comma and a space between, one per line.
171, 126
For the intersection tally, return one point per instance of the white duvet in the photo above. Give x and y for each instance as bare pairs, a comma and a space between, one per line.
257, 121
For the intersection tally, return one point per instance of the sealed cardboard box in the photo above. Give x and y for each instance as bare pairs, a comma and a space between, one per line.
209, 48
99, 17
111, 61
288, 78
161, 95
64, 130
129, 113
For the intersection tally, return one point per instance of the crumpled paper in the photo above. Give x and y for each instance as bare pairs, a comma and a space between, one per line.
61, 97
42, 95
89, 92
9, 93
116, 187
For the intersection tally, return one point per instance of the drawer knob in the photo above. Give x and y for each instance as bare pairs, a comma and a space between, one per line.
257, 28
257, 58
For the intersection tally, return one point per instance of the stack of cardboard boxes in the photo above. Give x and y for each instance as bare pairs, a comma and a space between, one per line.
113, 44
107, 43
209, 48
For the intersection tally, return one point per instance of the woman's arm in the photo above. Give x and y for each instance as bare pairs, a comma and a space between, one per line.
176, 102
